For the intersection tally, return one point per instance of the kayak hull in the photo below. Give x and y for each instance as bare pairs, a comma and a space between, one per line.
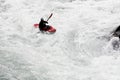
51, 29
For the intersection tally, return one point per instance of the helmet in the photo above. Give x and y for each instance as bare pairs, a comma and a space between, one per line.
42, 19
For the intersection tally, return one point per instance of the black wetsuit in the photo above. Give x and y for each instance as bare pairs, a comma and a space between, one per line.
42, 25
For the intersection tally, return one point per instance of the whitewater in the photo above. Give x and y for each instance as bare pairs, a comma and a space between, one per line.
81, 48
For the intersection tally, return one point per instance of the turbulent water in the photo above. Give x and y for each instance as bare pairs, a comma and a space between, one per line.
81, 48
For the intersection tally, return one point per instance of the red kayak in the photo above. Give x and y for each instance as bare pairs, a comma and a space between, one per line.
49, 30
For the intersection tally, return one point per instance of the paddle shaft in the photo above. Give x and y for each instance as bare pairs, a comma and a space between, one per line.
50, 16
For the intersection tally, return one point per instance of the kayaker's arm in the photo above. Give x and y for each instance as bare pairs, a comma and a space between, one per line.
45, 21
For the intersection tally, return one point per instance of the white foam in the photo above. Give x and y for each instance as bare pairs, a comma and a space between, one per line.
75, 52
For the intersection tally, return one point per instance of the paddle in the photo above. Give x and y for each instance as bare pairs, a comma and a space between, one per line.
50, 16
